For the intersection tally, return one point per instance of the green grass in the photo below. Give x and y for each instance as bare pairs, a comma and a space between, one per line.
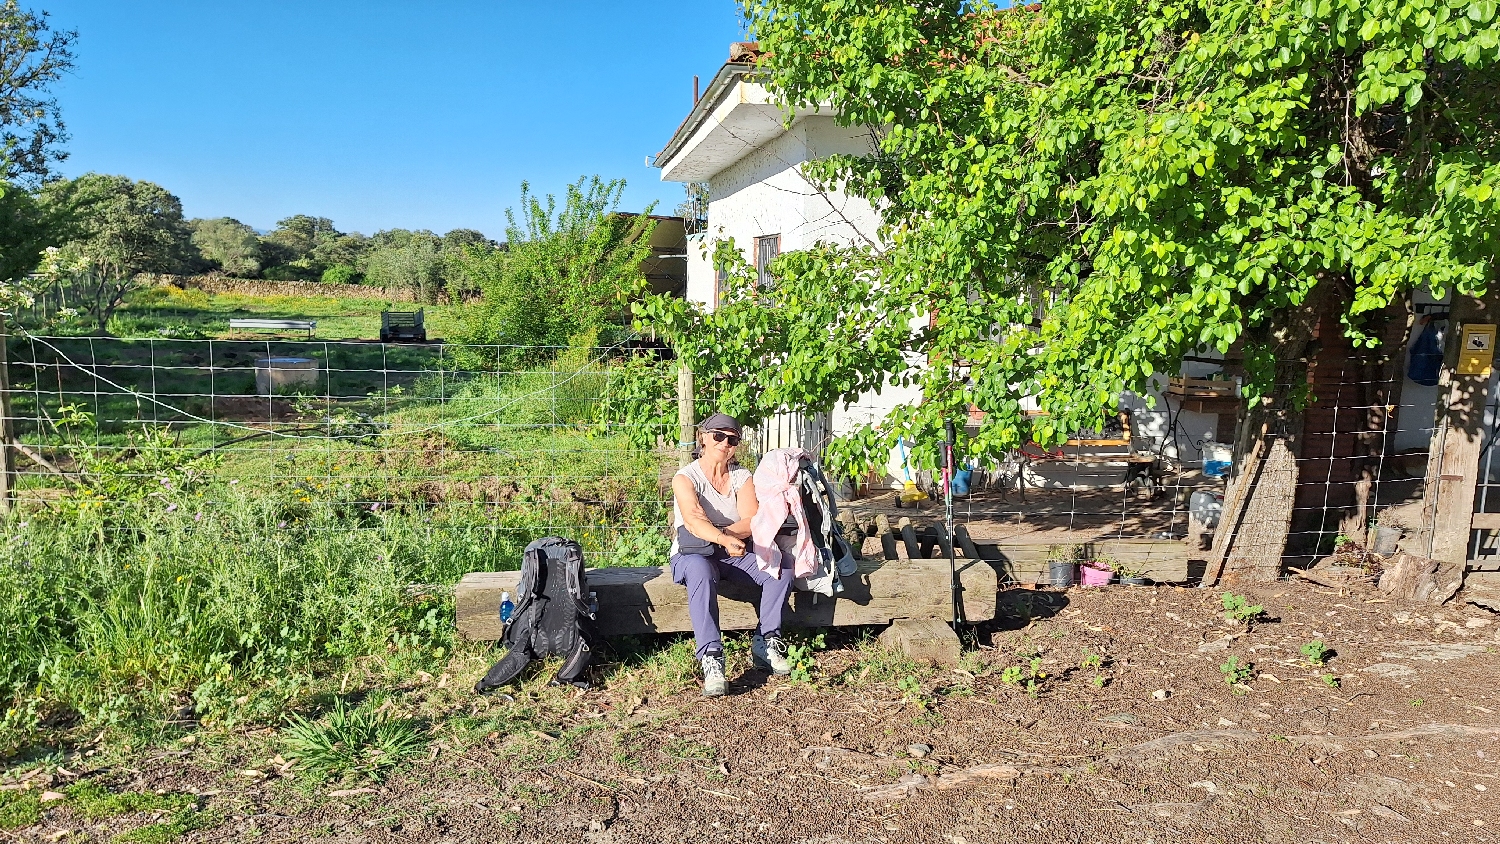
19, 809
173, 312
94, 801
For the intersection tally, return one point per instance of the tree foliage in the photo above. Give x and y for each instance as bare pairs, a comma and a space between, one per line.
565, 274
224, 243
115, 229
404, 259
33, 57
1079, 194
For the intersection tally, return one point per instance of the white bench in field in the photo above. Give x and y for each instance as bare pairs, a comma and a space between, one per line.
308, 325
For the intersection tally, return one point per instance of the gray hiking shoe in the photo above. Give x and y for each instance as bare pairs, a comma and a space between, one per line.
769, 652
714, 684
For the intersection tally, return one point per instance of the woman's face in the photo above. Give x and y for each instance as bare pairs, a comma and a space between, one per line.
720, 442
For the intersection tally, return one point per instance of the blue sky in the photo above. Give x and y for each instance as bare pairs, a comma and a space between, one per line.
383, 114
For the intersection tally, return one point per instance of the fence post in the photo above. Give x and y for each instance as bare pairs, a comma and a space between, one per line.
7, 435
685, 421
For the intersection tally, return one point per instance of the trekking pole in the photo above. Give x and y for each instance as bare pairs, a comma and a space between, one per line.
954, 585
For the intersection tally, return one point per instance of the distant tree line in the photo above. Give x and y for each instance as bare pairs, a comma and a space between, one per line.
307, 248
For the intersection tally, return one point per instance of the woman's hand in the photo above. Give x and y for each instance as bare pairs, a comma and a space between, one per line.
733, 545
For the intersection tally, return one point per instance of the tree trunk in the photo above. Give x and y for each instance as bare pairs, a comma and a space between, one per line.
1257, 515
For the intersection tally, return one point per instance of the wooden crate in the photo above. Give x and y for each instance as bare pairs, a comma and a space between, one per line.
1181, 385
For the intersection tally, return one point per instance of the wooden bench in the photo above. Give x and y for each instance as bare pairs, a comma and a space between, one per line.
645, 600
308, 325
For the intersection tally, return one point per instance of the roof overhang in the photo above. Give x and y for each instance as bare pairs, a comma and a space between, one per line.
733, 117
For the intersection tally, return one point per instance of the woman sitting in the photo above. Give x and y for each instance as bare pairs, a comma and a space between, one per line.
714, 501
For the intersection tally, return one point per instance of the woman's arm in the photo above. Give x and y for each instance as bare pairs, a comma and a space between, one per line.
697, 523
748, 505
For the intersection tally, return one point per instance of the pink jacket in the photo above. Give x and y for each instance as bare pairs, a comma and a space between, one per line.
776, 490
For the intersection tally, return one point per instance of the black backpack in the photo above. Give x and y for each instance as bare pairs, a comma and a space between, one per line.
552, 616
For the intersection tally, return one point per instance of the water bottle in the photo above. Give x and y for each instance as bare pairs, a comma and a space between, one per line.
594, 604
506, 607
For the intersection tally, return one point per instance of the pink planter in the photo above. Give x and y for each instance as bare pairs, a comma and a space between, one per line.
1090, 576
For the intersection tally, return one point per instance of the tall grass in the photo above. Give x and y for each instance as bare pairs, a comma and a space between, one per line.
121, 612
218, 588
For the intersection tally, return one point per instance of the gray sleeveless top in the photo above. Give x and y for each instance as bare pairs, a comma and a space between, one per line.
721, 510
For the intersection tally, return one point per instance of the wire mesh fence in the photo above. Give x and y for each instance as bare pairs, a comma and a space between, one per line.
526, 441
508, 439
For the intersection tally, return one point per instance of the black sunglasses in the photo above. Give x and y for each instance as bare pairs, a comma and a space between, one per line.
720, 436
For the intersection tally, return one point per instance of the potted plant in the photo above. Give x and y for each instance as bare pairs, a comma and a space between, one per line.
1130, 576
1061, 561
1386, 532
1097, 572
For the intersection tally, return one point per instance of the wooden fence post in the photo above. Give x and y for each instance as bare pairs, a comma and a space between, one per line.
686, 435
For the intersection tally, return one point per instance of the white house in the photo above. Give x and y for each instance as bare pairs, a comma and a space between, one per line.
736, 140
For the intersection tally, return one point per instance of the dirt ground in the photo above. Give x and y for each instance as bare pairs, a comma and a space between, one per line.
1130, 733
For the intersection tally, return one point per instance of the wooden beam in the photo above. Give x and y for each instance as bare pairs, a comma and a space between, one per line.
1453, 470
1486, 521
645, 600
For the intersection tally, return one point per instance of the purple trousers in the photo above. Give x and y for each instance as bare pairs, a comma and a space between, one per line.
701, 575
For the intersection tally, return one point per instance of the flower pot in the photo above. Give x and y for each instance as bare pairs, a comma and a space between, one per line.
1135, 581
1090, 576
1386, 538
1061, 574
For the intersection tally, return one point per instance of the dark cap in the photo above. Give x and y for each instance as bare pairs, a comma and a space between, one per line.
721, 422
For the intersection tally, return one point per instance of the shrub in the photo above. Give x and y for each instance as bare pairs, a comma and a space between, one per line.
341, 274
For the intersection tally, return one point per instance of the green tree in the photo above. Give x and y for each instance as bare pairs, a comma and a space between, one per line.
33, 56
457, 245
115, 230
1080, 194
565, 274
227, 244
406, 260
289, 250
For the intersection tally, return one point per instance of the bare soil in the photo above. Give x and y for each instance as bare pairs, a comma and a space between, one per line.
1152, 744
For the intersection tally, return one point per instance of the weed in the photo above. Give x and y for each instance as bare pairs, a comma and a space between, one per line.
19, 809
800, 653
164, 832
911, 692
1331, 681
1092, 661
972, 662
96, 802
692, 754
1236, 673
362, 741
1099, 681
877, 664
1316, 653
1031, 677
1418, 702
1238, 608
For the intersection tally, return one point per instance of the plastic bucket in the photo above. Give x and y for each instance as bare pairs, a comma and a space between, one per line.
1062, 574
1205, 508
1090, 576
1134, 581
1216, 459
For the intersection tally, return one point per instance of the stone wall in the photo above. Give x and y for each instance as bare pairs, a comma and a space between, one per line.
262, 287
